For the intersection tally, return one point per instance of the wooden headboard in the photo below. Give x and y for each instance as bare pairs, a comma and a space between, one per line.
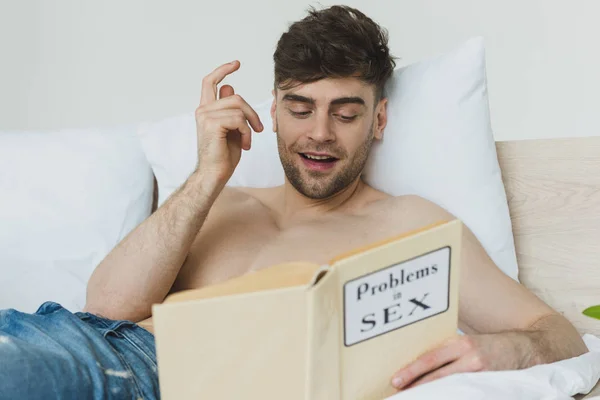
553, 190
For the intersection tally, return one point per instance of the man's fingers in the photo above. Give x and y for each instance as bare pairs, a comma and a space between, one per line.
226, 91
235, 101
231, 121
428, 362
469, 363
210, 81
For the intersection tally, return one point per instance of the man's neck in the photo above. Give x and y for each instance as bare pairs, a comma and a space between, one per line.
296, 206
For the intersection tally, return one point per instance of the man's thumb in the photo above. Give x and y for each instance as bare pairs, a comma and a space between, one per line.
226, 91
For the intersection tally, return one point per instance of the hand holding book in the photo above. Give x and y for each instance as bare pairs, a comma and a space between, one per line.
468, 353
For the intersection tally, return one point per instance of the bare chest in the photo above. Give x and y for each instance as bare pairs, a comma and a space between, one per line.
241, 245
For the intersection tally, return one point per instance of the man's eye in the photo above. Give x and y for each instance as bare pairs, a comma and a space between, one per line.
300, 113
348, 118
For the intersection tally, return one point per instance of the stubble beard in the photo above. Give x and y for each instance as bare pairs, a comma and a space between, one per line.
321, 185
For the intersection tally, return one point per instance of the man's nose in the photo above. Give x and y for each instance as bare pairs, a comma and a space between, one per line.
322, 130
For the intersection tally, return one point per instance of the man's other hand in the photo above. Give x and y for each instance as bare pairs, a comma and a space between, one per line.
468, 353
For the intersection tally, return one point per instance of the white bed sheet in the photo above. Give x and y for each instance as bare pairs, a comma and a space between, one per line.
556, 381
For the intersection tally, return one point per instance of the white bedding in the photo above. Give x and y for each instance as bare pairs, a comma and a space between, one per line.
556, 381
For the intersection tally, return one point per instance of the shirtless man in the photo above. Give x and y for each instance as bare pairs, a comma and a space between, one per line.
328, 107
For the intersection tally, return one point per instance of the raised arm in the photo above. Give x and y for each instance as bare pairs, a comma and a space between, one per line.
141, 269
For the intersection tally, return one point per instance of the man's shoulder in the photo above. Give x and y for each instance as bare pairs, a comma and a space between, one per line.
420, 207
232, 197
242, 192
397, 215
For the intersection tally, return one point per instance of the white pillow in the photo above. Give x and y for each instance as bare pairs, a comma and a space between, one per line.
438, 144
68, 197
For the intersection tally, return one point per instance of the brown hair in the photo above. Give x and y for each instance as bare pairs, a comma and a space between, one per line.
335, 42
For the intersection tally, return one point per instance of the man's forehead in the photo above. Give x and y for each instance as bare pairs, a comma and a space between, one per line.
324, 91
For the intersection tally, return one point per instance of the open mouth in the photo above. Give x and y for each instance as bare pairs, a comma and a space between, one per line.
318, 158
318, 162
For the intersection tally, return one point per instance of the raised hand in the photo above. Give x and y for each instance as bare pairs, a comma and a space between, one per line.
223, 125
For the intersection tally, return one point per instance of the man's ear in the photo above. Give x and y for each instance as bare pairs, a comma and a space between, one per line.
274, 110
380, 118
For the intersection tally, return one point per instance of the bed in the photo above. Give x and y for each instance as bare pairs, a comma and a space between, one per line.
552, 186
553, 190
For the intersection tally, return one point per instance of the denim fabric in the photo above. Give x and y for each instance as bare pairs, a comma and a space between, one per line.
55, 354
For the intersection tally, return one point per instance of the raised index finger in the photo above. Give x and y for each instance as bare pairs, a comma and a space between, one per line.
210, 81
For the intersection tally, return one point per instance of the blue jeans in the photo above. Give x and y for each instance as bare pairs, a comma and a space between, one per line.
55, 354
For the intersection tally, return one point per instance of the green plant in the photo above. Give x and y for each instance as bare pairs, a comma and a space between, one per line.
593, 311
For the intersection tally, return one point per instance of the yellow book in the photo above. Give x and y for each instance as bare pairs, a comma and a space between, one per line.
311, 332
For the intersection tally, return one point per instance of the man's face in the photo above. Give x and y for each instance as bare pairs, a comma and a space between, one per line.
324, 133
